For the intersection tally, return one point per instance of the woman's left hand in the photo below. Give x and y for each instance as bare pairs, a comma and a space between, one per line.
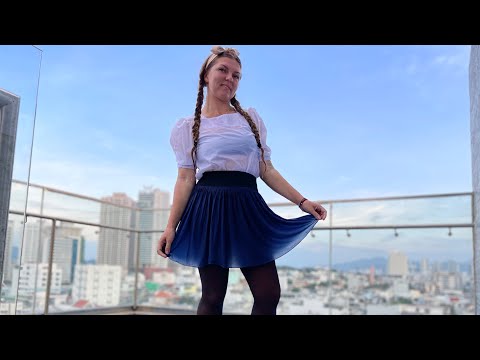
315, 209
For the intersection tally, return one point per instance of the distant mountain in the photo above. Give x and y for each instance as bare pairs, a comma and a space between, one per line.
379, 263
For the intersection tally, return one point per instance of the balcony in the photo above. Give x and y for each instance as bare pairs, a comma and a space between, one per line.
390, 255
67, 253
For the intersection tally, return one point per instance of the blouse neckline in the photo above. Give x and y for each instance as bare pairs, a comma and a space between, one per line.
214, 117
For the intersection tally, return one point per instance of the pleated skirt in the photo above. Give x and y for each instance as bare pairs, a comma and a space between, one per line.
226, 222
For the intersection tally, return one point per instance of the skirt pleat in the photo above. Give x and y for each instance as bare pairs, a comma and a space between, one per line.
231, 225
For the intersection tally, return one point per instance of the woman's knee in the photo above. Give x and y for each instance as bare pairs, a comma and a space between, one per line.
269, 296
213, 296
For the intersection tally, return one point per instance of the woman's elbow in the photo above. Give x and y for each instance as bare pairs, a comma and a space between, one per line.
186, 176
266, 169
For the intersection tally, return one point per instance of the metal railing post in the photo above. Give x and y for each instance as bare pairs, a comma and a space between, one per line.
50, 265
137, 263
476, 259
39, 252
330, 250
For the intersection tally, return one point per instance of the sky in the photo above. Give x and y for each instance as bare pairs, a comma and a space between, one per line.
343, 122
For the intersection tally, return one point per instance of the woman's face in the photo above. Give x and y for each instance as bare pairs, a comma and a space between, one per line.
222, 79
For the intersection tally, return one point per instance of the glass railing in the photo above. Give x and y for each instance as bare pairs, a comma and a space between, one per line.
401, 255
20, 79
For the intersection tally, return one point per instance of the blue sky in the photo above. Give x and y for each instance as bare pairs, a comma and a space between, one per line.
343, 121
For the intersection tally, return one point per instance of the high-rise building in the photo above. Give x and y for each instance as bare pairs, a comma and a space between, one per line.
397, 264
453, 266
65, 254
98, 284
153, 215
31, 252
7, 265
33, 277
116, 247
424, 267
371, 275
36, 242
448, 280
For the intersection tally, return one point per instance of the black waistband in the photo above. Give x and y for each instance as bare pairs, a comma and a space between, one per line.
228, 178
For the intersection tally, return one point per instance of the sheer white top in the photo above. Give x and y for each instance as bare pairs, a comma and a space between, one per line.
226, 142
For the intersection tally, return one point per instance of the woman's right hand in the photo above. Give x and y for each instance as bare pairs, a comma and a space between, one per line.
166, 239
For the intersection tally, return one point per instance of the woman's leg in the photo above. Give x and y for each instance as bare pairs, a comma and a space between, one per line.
214, 287
265, 287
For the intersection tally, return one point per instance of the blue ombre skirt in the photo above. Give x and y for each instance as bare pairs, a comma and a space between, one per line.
226, 222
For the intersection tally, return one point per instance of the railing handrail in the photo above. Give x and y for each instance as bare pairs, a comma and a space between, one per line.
56, 218
386, 198
355, 227
85, 197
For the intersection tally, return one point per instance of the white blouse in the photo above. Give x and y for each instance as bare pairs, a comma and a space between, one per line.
226, 142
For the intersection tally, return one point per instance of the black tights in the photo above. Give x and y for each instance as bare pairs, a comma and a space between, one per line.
262, 280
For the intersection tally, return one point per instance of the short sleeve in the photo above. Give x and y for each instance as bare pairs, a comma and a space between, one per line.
182, 143
267, 152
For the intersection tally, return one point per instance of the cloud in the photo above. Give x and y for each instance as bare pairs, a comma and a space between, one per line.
460, 57
94, 180
417, 65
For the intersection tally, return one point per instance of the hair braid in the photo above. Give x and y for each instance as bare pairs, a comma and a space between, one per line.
198, 113
252, 124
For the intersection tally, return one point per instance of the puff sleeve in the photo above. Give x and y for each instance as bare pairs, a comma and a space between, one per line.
267, 152
182, 143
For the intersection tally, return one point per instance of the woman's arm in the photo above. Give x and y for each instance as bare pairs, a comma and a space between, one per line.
183, 188
277, 183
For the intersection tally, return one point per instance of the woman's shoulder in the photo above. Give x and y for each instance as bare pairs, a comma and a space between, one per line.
252, 111
183, 122
254, 114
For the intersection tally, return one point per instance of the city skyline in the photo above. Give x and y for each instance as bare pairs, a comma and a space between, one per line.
313, 251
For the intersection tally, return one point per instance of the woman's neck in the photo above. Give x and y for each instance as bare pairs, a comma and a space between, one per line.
211, 109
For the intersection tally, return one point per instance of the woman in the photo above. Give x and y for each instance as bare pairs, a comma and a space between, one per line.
223, 222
